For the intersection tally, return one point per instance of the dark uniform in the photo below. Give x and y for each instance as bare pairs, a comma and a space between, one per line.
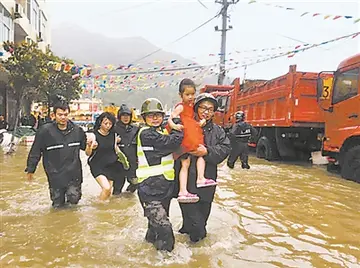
155, 175
60, 150
240, 135
195, 215
127, 145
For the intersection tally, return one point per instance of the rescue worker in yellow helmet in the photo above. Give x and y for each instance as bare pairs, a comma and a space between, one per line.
155, 173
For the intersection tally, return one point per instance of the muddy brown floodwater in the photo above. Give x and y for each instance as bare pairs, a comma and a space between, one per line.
273, 215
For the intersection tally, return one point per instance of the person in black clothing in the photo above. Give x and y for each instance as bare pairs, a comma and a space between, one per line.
40, 120
3, 123
127, 145
103, 158
155, 173
240, 134
59, 144
217, 148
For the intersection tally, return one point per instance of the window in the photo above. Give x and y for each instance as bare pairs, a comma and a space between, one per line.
35, 15
43, 22
346, 85
6, 25
28, 9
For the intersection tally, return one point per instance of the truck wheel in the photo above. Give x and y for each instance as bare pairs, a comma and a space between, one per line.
350, 169
265, 149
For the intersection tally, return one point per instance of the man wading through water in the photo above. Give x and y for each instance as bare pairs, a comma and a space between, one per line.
216, 149
127, 131
59, 144
155, 173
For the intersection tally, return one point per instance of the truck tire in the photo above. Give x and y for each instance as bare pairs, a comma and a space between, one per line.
350, 168
266, 149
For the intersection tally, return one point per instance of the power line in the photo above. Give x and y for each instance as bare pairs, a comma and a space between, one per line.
178, 39
173, 42
298, 50
201, 3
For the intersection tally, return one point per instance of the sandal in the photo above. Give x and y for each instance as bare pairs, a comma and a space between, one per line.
188, 198
207, 183
123, 160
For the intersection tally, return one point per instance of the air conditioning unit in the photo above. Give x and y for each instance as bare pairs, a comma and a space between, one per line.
39, 37
19, 11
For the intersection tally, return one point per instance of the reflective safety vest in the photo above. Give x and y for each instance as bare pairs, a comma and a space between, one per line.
144, 170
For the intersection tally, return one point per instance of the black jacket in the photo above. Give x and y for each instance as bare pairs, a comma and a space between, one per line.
242, 132
60, 151
157, 188
127, 144
218, 147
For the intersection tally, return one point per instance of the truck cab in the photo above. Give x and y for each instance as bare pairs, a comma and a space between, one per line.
340, 99
225, 95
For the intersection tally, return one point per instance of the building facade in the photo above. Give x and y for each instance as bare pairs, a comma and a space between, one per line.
20, 20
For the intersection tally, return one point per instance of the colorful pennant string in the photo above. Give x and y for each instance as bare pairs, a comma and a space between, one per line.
310, 14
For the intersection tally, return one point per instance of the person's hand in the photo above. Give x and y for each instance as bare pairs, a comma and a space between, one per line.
30, 176
118, 139
201, 151
178, 127
202, 122
90, 138
94, 145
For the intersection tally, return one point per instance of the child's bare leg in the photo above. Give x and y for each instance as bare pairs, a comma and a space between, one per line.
200, 166
183, 176
201, 181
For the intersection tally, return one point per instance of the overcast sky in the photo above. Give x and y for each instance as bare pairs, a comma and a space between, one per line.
255, 26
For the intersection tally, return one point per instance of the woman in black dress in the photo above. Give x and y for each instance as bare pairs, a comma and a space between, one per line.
105, 159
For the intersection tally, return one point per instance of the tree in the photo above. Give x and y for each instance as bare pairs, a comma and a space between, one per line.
31, 77
25, 71
58, 81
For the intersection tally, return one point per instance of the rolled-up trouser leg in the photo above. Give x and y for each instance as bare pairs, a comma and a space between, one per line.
159, 225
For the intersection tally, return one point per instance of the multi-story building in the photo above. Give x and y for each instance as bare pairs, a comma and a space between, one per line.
21, 20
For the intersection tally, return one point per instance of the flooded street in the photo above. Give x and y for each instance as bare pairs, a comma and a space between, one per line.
273, 215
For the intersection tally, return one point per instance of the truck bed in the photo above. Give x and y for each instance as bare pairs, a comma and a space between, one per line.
286, 101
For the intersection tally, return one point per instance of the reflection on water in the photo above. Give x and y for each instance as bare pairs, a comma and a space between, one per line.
273, 215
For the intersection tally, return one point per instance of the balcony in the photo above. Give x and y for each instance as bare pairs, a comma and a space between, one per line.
19, 11
22, 23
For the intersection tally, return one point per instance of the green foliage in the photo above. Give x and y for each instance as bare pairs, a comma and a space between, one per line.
57, 82
32, 77
25, 69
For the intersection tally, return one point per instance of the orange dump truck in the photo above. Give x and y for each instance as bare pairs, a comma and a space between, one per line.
340, 100
284, 110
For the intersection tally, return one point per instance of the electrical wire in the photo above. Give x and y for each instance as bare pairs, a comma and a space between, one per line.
297, 50
201, 3
173, 42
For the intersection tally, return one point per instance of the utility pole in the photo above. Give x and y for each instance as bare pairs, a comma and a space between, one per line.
225, 4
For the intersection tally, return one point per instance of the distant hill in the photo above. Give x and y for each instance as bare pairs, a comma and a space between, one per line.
85, 47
